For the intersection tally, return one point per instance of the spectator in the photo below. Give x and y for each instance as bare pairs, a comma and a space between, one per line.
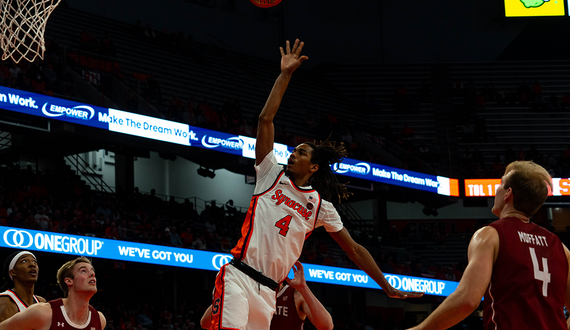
42, 220
187, 237
174, 237
111, 231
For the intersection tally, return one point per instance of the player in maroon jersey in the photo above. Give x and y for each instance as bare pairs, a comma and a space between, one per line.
295, 303
76, 279
519, 267
21, 271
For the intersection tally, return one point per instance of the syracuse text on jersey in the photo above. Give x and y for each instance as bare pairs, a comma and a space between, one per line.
282, 198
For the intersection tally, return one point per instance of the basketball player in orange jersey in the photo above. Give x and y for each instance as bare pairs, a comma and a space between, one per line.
285, 208
520, 268
76, 278
295, 303
21, 274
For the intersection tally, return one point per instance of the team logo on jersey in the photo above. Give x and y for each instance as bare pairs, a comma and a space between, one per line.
285, 298
281, 182
289, 202
310, 206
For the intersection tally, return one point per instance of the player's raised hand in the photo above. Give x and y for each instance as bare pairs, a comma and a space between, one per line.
299, 276
291, 59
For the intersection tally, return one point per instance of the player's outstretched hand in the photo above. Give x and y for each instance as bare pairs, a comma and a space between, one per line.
398, 294
291, 59
299, 276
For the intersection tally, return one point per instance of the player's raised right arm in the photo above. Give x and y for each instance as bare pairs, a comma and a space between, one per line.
291, 59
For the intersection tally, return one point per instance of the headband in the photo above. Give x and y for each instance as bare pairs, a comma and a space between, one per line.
15, 259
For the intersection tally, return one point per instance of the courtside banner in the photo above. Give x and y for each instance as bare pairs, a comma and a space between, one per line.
51, 107
358, 278
183, 134
399, 177
33, 240
371, 171
488, 187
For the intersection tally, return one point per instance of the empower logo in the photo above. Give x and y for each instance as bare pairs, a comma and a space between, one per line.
213, 142
84, 112
360, 168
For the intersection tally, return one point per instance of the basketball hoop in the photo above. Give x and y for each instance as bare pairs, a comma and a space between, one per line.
22, 28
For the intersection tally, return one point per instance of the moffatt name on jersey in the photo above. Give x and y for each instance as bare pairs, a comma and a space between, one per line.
532, 239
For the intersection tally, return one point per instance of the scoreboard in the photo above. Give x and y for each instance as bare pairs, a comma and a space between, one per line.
488, 187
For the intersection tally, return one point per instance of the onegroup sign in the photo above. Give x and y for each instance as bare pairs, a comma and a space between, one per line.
33, 240
358, 278
183, 134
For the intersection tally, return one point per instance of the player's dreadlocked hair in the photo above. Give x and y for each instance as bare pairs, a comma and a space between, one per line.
324, 180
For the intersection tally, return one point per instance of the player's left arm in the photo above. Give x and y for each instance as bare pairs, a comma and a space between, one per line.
41, 299
364, 261
103, 320
307, 303
482, 253
567, 294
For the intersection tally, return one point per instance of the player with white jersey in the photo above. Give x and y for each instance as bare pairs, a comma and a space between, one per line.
21, 272
287, 214
286, 207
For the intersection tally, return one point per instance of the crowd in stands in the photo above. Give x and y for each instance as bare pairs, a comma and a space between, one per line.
472, 102
50, 76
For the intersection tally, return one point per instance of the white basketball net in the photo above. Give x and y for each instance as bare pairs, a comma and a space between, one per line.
22, 28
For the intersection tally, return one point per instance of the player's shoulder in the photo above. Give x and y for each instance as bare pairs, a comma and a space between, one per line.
7, 308
484, 235
103, 320
327, 206
485, 230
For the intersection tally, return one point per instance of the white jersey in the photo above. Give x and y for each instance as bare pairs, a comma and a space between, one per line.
14, 297
280, 217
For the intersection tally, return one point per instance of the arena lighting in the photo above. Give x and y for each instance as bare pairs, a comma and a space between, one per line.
94, 247
206, 172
